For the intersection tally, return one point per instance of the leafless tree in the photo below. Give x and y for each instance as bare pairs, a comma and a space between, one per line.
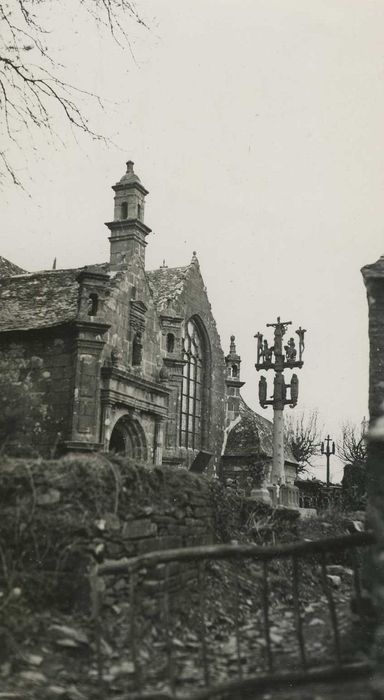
32, 92
352, 448
303, 436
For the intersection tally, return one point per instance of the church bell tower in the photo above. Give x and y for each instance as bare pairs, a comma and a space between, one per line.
128, 230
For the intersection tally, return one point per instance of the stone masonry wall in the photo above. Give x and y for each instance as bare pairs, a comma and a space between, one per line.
61, 518
131, 284
374, 280
41, 370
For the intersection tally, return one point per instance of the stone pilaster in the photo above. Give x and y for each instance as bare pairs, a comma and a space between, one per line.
374, 281
171, 339
158, 441
85, 431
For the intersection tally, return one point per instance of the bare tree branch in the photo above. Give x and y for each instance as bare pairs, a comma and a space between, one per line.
32, 94
352, 448
303, 435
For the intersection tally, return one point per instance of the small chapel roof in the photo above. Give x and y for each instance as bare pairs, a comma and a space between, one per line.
252, 434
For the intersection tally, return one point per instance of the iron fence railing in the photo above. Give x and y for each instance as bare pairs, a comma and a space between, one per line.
153, 579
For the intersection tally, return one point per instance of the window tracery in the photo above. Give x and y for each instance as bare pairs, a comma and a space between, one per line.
191, 399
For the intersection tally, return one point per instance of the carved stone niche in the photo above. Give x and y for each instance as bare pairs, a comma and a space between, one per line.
164, 374
137, 315
93, 283
171, 328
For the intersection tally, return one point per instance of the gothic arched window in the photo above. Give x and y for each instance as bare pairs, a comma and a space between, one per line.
191, 400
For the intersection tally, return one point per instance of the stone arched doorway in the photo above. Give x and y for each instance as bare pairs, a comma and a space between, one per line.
128, 439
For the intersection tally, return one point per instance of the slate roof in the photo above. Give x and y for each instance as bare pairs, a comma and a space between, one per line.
8, 268
38, 300
31, 300
252, 434
167, 283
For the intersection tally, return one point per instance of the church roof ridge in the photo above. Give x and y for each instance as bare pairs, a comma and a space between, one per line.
35, 273
165, 267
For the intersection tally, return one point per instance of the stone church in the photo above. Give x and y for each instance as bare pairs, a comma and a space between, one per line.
129, 360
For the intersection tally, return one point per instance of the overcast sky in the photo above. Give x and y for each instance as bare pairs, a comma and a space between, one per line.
257, 127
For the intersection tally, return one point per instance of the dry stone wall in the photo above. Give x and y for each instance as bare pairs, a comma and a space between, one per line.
62, 517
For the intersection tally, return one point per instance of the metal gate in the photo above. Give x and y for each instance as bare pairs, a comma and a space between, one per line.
155, 586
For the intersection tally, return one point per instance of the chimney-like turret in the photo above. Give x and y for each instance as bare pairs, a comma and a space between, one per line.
128, 230
233, 361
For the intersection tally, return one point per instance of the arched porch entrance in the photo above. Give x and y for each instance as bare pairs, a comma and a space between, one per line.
128, 439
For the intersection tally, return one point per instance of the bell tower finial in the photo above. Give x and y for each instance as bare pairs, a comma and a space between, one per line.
233, 360
128, 230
